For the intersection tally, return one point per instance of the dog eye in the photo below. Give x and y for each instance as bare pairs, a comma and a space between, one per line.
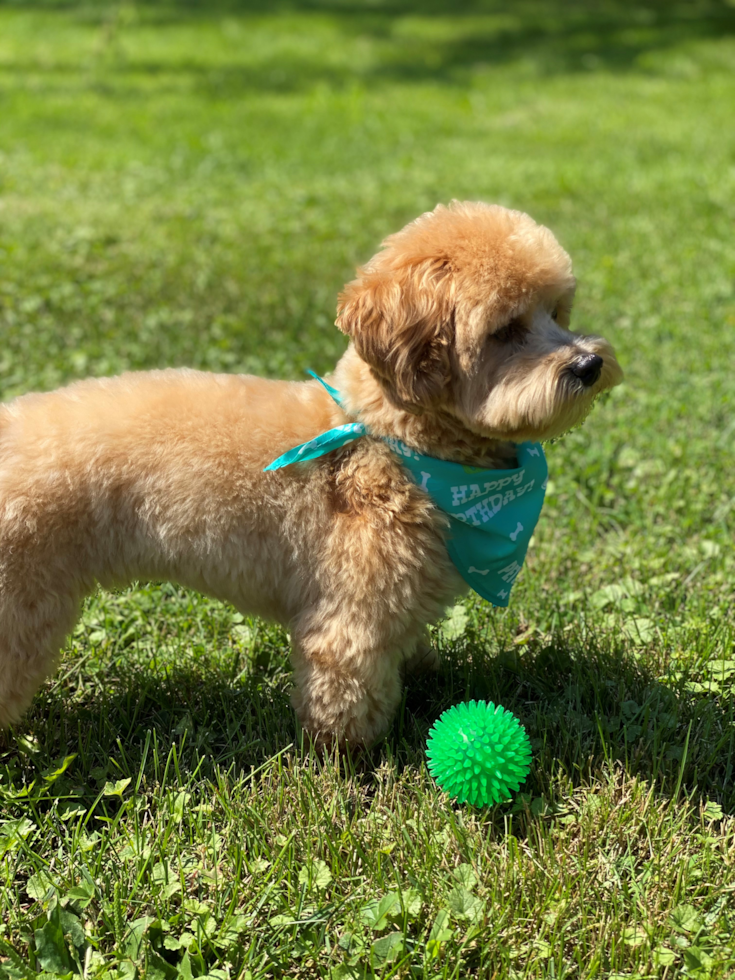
555, 314
512, 333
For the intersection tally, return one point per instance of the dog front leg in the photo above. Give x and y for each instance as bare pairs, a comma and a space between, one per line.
347, 688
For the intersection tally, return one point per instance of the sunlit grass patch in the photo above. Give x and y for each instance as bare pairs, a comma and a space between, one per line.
182, 184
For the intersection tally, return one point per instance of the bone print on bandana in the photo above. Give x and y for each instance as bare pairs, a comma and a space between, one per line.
493, 513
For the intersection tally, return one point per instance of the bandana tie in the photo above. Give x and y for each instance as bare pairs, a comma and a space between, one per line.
493, 513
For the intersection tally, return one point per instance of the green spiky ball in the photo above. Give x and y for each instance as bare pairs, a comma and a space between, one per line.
478, 753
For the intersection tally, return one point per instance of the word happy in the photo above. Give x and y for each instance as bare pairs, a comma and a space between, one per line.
485, 510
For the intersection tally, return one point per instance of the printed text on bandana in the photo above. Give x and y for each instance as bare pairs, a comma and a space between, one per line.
485, 510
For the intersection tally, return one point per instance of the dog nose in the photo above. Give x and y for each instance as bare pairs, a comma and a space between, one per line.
587, 369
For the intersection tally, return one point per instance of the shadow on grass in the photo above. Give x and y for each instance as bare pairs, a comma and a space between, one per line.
552, 36
136, 720
583, 709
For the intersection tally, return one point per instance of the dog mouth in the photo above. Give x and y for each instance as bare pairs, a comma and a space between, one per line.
544, 399
566, 406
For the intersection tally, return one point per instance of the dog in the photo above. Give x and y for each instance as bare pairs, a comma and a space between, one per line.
459, 348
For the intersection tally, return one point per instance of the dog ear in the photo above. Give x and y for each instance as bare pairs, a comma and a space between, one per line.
401, 322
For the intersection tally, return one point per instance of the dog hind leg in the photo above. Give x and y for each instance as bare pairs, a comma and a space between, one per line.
34, 624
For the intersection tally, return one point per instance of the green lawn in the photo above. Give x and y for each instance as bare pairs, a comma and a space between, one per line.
191, 184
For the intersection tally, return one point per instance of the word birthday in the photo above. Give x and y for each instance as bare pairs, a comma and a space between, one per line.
485, 510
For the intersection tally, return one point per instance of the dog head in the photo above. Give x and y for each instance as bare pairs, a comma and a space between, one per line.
466, 312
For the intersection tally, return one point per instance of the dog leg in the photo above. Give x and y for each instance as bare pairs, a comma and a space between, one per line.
33, 628
346, 690
382, 574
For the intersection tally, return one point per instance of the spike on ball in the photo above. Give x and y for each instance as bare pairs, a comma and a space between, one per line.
479, 753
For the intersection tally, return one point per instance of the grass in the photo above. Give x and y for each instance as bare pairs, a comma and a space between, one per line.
191, 184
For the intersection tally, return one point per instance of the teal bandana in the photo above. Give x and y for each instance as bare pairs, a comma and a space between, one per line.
492, 513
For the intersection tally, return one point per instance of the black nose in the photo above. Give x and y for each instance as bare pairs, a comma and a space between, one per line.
587, 368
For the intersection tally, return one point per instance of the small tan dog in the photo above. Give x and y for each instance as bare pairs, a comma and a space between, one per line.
459, 346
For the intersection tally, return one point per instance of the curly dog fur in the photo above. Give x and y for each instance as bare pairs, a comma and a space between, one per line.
459, 346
